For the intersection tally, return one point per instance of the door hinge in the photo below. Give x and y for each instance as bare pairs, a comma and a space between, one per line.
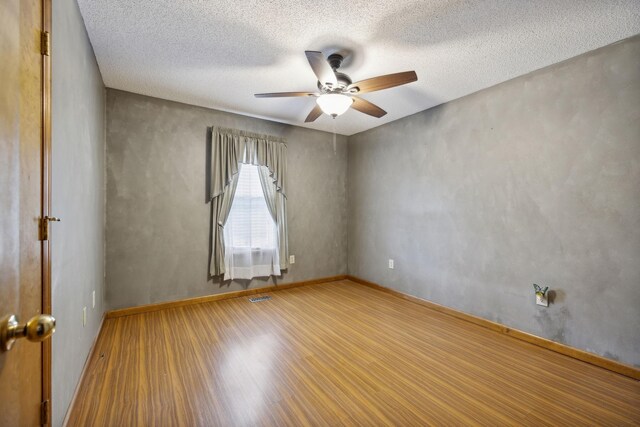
44, 228
44, 412
45, 43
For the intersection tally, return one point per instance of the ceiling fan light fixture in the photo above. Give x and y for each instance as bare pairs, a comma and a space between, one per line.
334, 104
338, 92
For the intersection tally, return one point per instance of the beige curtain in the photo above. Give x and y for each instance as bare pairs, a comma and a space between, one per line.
220, 208
277, 205
230, 148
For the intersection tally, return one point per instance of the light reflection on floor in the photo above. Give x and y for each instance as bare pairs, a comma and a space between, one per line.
249, 363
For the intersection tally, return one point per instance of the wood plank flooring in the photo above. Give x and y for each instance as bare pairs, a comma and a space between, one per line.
335, 354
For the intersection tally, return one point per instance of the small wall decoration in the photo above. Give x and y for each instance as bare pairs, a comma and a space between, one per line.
541, 295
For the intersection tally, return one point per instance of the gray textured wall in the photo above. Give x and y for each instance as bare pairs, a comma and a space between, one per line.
78, 197
157, 218
536, 180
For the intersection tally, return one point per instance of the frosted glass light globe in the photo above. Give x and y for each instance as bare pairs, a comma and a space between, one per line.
334, 104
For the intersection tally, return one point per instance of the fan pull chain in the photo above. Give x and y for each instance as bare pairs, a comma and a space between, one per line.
334, 137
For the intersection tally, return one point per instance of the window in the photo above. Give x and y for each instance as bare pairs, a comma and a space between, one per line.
251, 248
249, 221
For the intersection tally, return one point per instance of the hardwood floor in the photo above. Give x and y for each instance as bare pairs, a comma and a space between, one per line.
335, 354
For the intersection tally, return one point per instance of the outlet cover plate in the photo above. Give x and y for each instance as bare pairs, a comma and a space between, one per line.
292, 259
391, 264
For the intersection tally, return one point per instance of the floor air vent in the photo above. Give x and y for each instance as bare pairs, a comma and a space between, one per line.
259, 299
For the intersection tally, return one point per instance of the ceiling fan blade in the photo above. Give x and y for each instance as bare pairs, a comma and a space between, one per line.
314, 114
321, 68
384, 82
367, 107
283, 94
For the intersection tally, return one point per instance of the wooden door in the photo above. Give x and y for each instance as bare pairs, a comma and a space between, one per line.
24, 201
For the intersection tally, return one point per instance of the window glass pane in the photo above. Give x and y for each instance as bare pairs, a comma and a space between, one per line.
250, 221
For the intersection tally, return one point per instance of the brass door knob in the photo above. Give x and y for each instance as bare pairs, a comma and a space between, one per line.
37, 329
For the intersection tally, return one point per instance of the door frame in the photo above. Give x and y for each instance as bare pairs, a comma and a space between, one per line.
46, 205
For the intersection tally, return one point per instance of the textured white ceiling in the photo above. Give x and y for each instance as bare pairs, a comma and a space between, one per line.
217, 54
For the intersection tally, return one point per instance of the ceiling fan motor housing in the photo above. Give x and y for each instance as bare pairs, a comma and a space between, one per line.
343, 82
335, 60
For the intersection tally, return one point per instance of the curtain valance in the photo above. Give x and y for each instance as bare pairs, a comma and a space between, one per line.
231, 146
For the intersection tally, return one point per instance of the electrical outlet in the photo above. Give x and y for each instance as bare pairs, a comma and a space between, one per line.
391, 264
292, 259
93, 299
84, 316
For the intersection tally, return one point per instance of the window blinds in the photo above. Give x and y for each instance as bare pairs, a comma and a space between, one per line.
250, 223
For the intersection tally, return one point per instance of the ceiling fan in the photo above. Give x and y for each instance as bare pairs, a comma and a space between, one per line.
338, 92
